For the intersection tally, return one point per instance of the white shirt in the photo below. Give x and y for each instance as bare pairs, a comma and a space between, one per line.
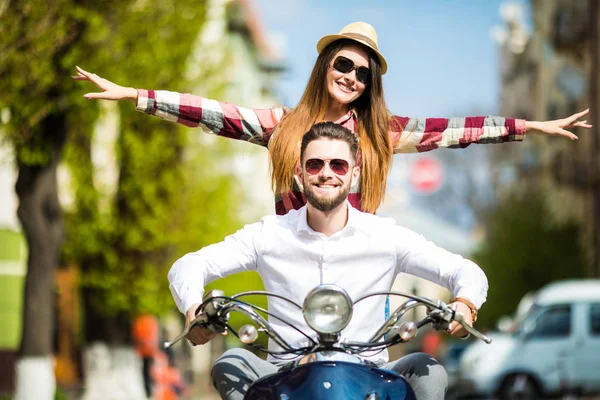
291, 258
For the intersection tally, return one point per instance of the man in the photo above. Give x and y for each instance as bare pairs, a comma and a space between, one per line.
326, 241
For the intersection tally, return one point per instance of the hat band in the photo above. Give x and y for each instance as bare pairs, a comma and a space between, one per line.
364, 38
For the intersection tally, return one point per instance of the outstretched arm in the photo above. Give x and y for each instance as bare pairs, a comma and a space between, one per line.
223, 119
411, 135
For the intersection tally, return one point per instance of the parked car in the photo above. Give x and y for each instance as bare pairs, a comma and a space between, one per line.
554, 350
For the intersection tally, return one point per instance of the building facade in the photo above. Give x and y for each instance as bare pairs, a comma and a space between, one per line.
547, 73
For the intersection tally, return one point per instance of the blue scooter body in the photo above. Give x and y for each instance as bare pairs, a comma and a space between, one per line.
331, 380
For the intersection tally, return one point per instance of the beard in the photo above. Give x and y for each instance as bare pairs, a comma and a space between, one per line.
323, 203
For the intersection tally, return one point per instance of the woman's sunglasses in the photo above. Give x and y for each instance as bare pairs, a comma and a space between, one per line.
338, 166
345, 65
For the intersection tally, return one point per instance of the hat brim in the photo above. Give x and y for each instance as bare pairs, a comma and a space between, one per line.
328, 39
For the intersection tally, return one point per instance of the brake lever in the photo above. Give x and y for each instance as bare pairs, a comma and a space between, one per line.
444, 316
458, 317
201, 320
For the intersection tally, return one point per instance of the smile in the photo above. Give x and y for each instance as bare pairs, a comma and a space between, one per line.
325, 186
345, 87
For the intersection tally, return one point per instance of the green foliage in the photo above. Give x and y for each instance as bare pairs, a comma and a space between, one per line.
11, 304
127, 246
38, 37
171, 196
525, 249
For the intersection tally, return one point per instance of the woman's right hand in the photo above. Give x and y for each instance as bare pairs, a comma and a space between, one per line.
110, 90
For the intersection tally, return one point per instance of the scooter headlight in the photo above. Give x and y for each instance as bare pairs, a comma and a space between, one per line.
327, 309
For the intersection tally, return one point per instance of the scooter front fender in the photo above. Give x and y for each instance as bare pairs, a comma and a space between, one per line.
331, 380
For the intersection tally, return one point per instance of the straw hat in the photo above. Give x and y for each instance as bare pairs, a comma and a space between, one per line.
360, 32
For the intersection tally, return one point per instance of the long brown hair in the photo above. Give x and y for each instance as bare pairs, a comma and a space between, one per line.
373, 129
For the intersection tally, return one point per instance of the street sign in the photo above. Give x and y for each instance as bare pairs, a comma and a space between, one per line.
426, 175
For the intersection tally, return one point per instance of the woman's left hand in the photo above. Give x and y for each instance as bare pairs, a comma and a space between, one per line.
559, 127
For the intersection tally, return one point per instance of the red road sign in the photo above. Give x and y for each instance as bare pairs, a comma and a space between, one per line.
427, 175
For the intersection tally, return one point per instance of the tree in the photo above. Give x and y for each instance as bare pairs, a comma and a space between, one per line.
524, 249
42, 43
38, 40
125, 240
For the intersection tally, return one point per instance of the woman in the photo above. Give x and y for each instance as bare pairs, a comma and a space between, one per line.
345, 87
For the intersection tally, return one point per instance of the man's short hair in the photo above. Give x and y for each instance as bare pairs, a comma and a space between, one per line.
332, 131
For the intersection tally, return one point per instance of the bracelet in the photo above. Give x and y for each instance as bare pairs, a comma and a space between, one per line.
468, 304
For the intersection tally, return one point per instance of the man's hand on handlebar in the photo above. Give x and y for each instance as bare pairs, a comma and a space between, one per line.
455, 329
197, 335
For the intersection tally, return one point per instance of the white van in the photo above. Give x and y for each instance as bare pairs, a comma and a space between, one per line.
555, 349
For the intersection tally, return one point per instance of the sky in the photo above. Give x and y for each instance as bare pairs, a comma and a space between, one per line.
442, 59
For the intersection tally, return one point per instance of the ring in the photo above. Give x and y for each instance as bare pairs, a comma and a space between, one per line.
468, 335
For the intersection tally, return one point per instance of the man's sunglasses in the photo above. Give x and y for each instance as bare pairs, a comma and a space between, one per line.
345, 65
338, 166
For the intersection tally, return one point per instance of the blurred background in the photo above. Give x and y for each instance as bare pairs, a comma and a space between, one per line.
97, 201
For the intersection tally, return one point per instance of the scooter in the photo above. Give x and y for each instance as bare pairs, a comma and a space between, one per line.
328, 368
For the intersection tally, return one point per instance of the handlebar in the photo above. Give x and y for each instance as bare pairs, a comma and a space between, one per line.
215, 309
201, 320
207, 316
445, 314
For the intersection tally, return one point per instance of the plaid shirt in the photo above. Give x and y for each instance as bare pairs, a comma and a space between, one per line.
258, 125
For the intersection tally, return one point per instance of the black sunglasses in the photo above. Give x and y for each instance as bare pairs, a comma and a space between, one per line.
315, 165
345, 65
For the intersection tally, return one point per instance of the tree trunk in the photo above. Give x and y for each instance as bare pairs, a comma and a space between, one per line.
41, 219
112, 369
99, 327
112, 373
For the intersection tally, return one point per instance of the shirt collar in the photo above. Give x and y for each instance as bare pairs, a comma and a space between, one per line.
353, 217
302, 225
351, 114
351, 224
